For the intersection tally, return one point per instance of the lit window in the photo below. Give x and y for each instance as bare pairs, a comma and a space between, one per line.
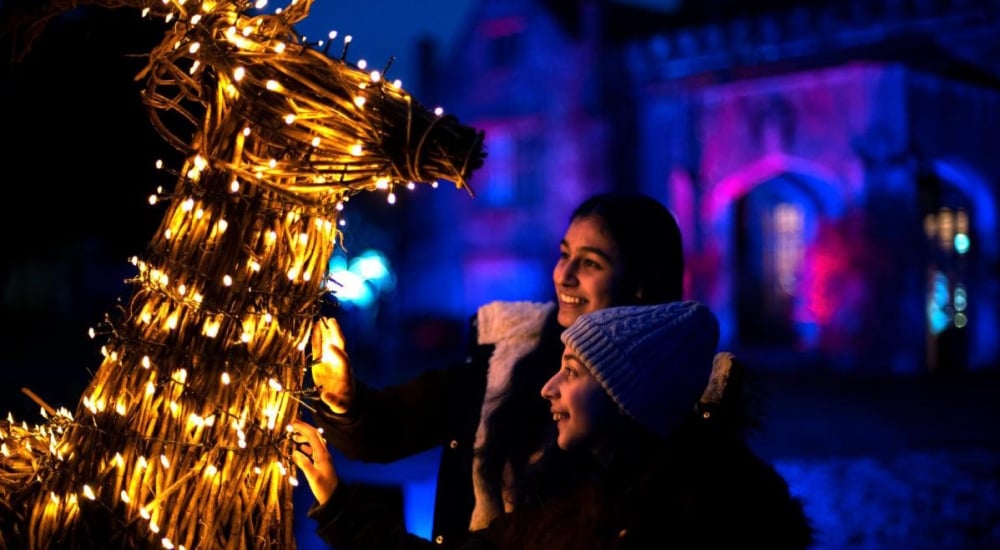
786, 246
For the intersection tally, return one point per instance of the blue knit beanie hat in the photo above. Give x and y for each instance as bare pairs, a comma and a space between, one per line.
654, 361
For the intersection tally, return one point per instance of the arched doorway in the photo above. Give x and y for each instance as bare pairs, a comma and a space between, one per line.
774, 223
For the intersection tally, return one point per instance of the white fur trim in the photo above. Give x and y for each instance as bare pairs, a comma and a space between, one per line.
515, 328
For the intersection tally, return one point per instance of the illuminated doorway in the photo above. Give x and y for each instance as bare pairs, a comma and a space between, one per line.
775, 223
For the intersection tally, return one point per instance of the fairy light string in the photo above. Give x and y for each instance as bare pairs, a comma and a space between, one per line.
180, 439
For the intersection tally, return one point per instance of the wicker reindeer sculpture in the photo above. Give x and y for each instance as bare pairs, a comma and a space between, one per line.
179, 440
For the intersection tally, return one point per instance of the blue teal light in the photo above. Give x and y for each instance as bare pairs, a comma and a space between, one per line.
418, 505
962, 243
360, 281
372, 266
961, 299
351, 289
940, 290
937, 317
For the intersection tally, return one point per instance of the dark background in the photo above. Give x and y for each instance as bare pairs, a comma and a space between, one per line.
80, 156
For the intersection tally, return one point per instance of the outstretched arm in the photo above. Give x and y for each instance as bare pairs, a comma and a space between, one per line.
387, 424
332, 374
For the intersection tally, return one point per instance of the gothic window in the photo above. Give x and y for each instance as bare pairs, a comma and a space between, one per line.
775, 225
785, 249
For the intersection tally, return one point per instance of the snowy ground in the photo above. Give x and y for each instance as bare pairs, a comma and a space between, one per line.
896, 463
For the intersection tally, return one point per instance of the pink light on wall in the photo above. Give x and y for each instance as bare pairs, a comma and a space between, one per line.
835, 294
734, 186
504, 26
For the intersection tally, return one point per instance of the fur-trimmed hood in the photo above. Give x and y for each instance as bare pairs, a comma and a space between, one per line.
514, 329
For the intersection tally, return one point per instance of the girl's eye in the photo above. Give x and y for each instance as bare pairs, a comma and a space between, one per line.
591, 263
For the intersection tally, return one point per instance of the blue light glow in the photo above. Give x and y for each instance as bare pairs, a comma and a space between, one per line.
961, 320
961, 299
360, 281
373, 266
418, 503
937, 317
961, 243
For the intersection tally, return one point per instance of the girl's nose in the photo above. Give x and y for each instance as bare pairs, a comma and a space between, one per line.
567, 273
549, 389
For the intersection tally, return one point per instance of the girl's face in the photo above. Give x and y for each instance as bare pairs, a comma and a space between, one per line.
590, 271
581, 408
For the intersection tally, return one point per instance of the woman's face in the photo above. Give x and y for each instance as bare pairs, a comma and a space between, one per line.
590, 270
580, 407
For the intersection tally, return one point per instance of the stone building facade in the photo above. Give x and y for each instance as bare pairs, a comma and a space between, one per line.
831, 164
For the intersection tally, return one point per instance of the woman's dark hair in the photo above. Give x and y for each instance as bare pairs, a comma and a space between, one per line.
649, 239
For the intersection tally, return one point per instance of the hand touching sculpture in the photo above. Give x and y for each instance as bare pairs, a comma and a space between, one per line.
313, 458
332, 373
